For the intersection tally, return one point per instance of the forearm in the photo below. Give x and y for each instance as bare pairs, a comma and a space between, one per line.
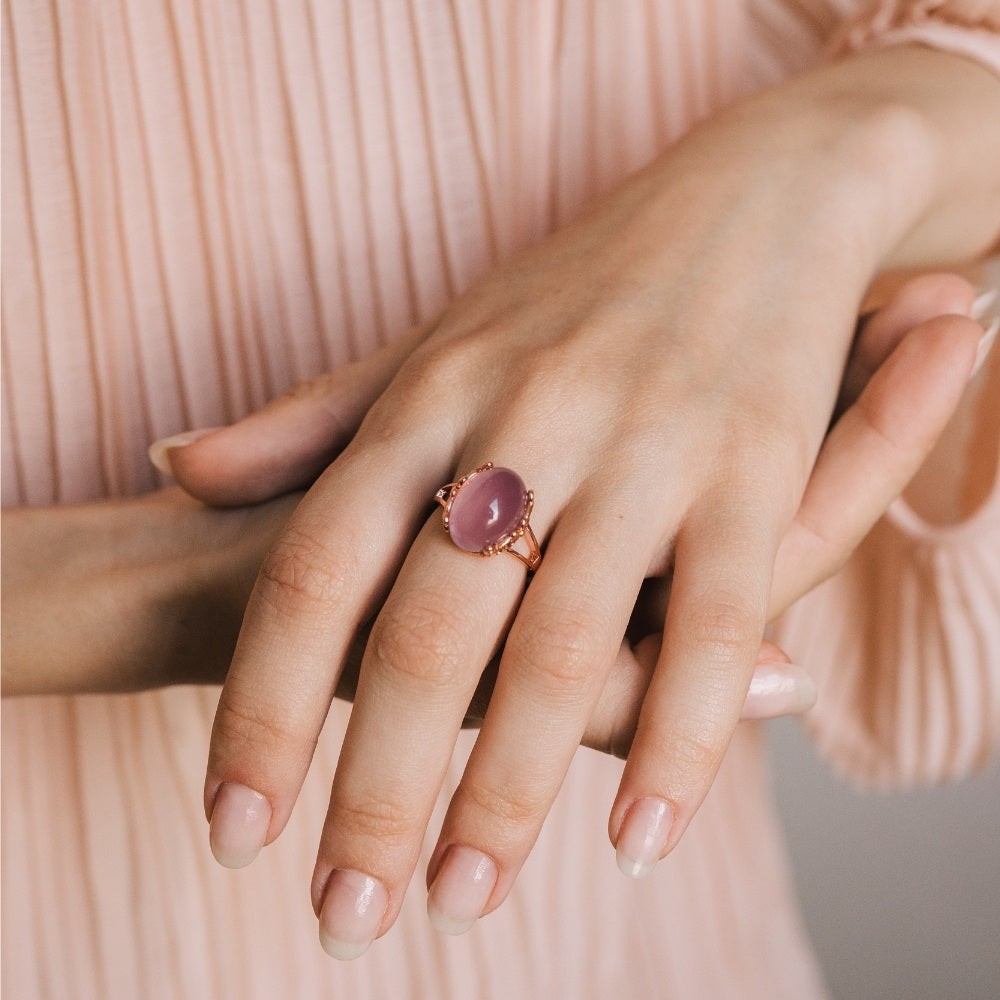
126, 595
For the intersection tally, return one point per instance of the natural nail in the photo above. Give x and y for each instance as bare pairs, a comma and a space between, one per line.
353, 907
240, 818
159, 451
643, 836
461, 889
985, 346
981, 304
779, 689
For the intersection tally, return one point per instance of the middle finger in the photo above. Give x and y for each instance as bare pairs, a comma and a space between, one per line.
557, 658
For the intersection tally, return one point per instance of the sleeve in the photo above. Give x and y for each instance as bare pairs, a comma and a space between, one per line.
904, 642
969, 28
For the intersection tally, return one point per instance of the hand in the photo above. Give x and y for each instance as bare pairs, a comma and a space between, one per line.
128, 595
271, 450
124, 595
549, 342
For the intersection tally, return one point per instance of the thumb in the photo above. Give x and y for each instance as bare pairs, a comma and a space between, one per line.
873, 451
880, 332
286, 444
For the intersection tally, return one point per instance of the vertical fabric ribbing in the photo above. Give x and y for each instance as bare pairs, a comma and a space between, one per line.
205, 202
24, 305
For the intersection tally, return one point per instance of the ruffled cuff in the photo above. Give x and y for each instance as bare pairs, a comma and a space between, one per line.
904, 644
969, 28
905, 647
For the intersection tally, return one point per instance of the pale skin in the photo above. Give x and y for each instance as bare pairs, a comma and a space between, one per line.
731, 270
127, 595
760, 269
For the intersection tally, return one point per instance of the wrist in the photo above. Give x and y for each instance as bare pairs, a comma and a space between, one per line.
913, 137
851, 174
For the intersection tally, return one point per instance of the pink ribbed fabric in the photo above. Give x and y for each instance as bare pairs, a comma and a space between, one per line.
205, 202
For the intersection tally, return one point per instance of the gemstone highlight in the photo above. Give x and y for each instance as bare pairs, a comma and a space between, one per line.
489, 506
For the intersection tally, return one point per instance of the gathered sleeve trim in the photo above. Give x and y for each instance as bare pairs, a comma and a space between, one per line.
969, 28
904, 644
905, 647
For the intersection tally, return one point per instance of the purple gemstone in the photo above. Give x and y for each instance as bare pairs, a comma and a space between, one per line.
489, 506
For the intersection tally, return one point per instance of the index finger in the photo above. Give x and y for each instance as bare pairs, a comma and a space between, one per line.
321, 581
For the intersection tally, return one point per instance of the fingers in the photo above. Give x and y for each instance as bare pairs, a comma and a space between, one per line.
874, 450
289, 442
428, 646
920, 299
557, 656
778, 687
713, 632
320, 582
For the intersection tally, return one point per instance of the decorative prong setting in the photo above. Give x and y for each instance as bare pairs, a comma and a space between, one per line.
491, 515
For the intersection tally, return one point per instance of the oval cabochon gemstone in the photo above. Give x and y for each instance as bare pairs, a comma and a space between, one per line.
489, 506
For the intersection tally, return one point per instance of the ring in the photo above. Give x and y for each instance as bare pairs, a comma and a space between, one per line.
487, 511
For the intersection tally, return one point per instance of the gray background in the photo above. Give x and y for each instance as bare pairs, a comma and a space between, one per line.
901, 891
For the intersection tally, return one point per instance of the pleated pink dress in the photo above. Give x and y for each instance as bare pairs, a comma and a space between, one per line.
205, 201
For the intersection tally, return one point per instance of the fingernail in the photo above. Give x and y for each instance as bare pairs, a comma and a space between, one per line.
779, 689
643, 836
159, 450
240, 818
461, 889
985, 346
982, 302
353, 907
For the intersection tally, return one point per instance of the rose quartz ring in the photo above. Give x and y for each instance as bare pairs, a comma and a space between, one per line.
487, 511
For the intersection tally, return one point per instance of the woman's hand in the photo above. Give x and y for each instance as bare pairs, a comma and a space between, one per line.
128, 595
267, 451
124, 595
662, 373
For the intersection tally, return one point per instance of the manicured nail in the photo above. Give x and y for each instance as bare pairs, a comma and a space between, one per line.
240, 818
159, 450
461, 889
643, 836
986, 343
353, 907
982, 302
779, 689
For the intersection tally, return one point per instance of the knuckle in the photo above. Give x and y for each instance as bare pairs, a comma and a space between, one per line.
421, 641
301, 570
697, 753
891, 437
558, 381
820, 536
725, 630
383, 819
558, 651
411, 406
691, 754
243, 728
440, 365
504, 808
